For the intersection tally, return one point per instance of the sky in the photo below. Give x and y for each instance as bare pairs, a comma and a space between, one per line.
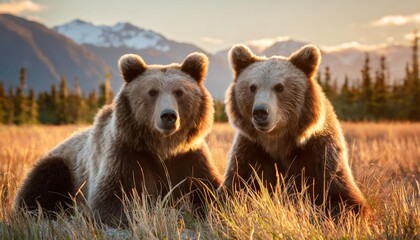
218, 24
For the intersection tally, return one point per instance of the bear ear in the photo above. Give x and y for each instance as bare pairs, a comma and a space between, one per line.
240, 57
307, 59
196, 65
131, 66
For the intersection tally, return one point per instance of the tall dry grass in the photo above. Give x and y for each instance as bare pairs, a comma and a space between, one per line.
385, 158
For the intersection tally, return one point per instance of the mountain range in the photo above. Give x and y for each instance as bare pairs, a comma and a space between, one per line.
46, 54
87, 51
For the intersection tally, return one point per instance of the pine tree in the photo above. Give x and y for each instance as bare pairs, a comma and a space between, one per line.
219, 112
327, 82
77, 105
414, 109
22, 77
53, 102
63, 103
345, 88
380, 95
42, 101
20, 99
106, 95
32, 117
92, 106
47, 106
344, 101
366, 89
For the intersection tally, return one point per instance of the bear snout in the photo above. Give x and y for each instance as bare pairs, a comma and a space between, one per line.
260, 113
168, 121
262, 118
168, 118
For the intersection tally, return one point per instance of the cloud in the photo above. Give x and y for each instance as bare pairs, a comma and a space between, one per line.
18, 7
354, 45
267, 42
211, 40
410, 36
260, 45
396, 20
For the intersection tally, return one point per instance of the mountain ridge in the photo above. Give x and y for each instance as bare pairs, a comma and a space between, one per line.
85, 50
45, 54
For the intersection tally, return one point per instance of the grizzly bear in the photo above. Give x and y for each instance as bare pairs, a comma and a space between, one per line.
286, 125
150, 139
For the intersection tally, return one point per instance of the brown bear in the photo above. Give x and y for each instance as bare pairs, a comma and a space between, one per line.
150, 139
286, 125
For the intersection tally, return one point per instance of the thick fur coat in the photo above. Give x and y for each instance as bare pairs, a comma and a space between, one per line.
150, 139
286, 126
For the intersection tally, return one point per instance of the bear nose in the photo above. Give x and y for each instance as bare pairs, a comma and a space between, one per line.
260, 113
168, 117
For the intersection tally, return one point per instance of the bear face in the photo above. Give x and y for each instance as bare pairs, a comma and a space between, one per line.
168, 102
268, 94
163, 108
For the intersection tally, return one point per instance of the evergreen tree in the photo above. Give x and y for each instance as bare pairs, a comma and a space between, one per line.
380, 96
42, 102
20, 99
22, 78
345, 89
345, 101
63, 103
327, 83
366, 89
47, 106
52, 105
106, 95
92, 106
219, 112
414, 109
77, 105
402, 95
32, 117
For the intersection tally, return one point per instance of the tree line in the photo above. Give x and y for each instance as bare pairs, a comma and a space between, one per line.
372, 97
59, 105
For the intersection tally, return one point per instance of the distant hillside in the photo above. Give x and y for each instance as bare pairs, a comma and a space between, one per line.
82, 49
46, 55
110, 42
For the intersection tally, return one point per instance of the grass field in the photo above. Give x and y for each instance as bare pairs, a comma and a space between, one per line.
385, 159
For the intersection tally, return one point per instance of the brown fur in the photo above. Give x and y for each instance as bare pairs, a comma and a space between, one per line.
125, 149
49, 185
306, 144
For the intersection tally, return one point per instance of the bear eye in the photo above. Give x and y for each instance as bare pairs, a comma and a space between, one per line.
179, 93
153, 92
279, 88
253, 88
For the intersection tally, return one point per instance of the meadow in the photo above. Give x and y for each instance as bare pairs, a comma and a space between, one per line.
384, 157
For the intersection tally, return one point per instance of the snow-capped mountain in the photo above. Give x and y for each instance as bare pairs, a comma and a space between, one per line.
111, 42
87, 51
118, 35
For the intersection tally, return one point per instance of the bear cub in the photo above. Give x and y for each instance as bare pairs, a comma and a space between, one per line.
150, 139
286, 125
